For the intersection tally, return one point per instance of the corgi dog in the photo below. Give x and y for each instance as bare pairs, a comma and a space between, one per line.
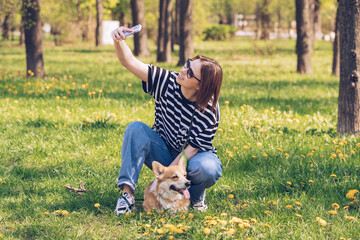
169, 190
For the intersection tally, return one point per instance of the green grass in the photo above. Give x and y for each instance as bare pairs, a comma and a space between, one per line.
67, 128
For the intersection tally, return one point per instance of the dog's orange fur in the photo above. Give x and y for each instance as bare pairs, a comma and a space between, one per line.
159, 195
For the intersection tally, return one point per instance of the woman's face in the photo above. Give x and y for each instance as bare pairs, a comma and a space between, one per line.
183, 77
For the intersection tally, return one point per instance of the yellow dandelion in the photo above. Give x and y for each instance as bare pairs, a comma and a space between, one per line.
279, 149
267, 212
358, 145
64, 212
298, 215
289, 206
332, 212
207, 231
231, 231
289, 183
333, 175
311, 181
253, 220
231, 196
191, 216
259, 144
46, 213
310, 154
129, 85
245, 147
351, 218
335, 206
207, 217
267, 226
322, 222
161, 231
222, 222
265, 155
287, 155
97, 205
352, 194
236, 220
298, 203
246, 225
223, 214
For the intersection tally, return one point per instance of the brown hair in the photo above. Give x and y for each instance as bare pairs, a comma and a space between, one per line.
211, 79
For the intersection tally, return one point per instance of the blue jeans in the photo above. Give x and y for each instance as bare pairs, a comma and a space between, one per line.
143, 145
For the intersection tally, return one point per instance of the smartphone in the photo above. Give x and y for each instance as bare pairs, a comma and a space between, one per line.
136, 29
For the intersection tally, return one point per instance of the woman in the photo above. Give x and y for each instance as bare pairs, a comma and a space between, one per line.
186, 118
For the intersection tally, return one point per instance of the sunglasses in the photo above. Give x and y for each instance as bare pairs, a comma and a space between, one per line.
190, 72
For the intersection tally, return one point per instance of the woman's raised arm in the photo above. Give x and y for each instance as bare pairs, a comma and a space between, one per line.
126, 57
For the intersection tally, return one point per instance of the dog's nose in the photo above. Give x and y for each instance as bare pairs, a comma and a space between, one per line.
187, 184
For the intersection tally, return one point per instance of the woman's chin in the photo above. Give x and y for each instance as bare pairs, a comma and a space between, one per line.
179, 80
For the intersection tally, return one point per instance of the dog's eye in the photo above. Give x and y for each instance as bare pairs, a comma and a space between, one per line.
175, 177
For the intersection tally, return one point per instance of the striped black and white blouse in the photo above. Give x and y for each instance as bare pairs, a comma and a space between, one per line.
173, 113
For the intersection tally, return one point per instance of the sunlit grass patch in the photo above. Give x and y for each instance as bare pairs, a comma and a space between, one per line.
286, 173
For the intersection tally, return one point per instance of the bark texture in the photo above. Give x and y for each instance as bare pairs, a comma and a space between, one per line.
99, 19
33, 38
164, 34
336, 47
304, 36
140, 39
349, 88
186, 41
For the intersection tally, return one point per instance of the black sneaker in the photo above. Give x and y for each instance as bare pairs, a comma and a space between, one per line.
125, 204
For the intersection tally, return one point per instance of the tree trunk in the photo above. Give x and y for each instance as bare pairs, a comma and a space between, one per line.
6, 25
140, 39
33, 38
22, 28
315, 24
186, 31
264, 20
349, 88
303, 41
336, 47
176, 25
99, 19
317, 20
164, 34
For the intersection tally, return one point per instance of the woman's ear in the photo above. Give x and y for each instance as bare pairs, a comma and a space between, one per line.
157, 168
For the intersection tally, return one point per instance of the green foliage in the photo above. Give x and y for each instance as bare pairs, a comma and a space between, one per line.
219, 32
283, 163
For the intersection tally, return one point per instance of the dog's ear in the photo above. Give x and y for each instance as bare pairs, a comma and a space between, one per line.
182, 162
157, 168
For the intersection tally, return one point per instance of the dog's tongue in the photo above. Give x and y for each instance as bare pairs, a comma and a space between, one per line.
186, 193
